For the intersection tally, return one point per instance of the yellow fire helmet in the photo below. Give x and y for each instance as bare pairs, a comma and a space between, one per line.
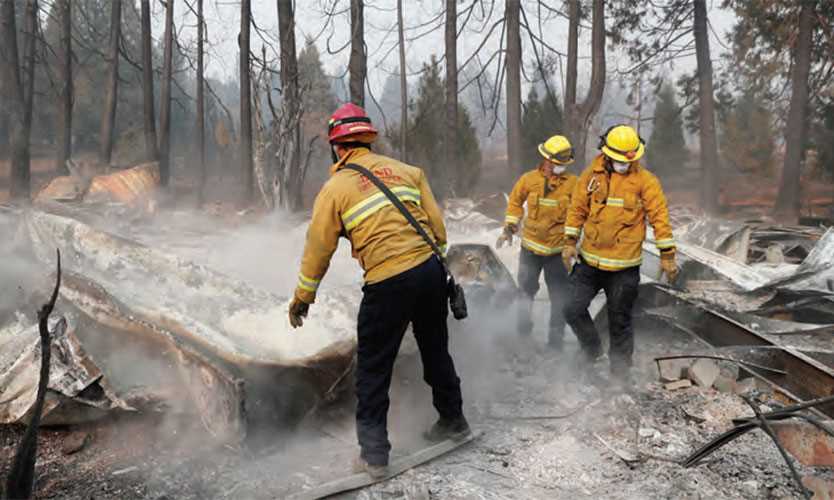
557, 149
622, 143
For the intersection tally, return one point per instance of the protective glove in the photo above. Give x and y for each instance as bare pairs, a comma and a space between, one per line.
569, 256
668, 266
506, 236
298, 311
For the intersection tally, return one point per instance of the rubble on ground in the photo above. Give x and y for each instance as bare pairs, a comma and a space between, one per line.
160, 294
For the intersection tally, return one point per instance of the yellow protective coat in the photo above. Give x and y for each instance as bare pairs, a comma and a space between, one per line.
612, 210
383, 241
547, 198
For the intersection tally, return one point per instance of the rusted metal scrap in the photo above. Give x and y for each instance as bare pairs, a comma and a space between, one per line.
131, 186
232, 343
78, 391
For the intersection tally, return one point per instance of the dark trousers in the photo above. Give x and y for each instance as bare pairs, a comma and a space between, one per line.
417, 296
530, 267
621, 288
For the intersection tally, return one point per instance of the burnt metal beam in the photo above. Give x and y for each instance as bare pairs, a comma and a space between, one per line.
804, 378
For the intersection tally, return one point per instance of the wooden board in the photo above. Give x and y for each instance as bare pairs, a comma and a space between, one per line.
395, 468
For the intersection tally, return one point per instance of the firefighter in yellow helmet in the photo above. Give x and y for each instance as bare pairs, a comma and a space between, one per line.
546, 190
405, 283
613, 198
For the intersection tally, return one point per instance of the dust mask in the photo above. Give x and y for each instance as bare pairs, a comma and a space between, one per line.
559, 169
620, 167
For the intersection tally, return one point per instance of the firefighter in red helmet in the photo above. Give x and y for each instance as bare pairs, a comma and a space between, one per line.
404, 280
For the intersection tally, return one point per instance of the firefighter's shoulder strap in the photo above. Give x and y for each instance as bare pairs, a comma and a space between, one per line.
400, 206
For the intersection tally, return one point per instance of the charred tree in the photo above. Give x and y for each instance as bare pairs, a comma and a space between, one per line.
108, 116
706, 112
358, 64
451, 37
403, 84
788, 202
513, 15
151, 152
200, 127
22, 474
245, 103
64, 148
289, 84
165, 98
578, 116
12, 92
30, 40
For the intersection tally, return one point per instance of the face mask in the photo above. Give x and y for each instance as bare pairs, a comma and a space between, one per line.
559, 169
620, 167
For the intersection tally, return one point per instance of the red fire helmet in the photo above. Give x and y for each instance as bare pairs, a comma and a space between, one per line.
349, 123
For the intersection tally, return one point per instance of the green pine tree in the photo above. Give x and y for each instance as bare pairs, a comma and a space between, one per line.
541, 118
427, 137
666, 150
746, 140
314, 83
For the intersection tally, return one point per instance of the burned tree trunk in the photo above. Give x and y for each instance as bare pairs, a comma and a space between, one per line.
245, 103
30, 40
358, 59
788, 202
706, 115
22, 474
571, 73
451, 149
13, 97
12, 92
165, 98
513, 14
289, 83
151, 152
403, 85
108, 116
579, 116
201, 110
64, 149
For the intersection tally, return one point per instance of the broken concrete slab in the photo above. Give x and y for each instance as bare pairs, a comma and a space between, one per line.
678, 384
703, 372
77, 390
746, 385
670, 370
724, 384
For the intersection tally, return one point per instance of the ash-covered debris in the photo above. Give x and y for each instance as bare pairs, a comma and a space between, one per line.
547, 434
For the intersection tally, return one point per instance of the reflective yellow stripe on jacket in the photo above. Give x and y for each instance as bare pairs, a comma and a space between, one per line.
609, 264
370, 205
539, 248
308, 284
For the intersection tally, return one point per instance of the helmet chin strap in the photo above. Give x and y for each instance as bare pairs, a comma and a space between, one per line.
333, 154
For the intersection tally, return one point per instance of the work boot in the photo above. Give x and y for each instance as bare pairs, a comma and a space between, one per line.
621, 376
588, 369
456, 430
361, 465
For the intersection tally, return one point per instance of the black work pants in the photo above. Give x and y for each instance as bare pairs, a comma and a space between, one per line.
621, 288
530, 267
417, 296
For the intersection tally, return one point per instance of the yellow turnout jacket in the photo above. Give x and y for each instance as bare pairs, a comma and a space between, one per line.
383, 241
